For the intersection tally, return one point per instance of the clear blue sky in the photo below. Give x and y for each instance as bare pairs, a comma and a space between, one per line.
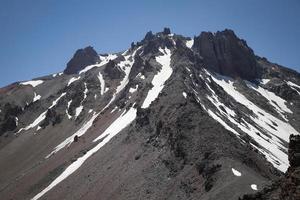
38, 37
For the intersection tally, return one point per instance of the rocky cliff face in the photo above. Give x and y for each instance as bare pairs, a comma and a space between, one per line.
225, 53
81, 59
169, 118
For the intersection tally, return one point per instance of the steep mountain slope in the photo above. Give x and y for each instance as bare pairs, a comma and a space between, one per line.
287, 187
169, 118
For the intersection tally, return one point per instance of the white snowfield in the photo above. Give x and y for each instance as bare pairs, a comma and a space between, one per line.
121, 122
42, 116
103, 60
268, 131
33, 83
236, 172
73, 79
160, 78
189, 43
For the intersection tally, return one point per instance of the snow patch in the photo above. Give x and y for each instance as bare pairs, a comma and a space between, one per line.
36, 97
254, 187
104, 60
264, 81
73, 79
236, 172
68, 106
78, 110
17, 121
160, 78
132, 90
189, 43
113, 110
33, 83
184, 94
102, 83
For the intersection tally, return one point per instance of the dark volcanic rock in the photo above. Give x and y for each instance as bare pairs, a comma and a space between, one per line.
149, 36
81, 59
167, 31
225, 53
51, 117
294, 151
8, 125
8, 122
112, 70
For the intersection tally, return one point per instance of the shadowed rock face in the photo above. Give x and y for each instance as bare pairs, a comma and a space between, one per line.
81, 59
226, 54
112, 70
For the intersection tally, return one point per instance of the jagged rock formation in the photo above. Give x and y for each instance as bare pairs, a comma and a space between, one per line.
81, 59
226, 54
169, 118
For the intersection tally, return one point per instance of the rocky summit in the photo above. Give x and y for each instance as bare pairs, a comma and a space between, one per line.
171, 117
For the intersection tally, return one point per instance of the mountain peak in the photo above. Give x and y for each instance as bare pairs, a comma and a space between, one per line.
82, 58
171, 110
225, 53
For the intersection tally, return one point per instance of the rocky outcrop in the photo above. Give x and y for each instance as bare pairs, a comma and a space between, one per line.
8, 121
166, 31
225, 53
81, 59
112, 70
52, 117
